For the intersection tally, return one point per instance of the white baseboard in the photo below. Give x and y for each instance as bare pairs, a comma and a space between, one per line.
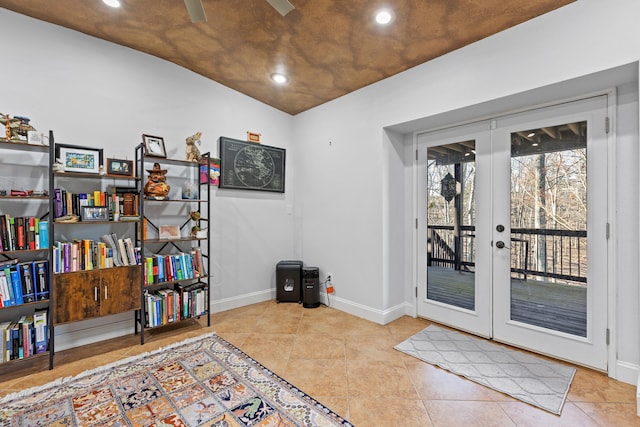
381, 317
242, 300
627, 372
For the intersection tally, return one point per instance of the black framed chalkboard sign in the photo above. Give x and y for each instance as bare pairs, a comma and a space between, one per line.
251, 166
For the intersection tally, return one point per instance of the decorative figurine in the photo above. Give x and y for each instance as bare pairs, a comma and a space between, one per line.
16, 128
196, 231
193, 148
58, 166
157, 187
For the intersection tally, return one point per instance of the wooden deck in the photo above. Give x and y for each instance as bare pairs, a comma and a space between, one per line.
549, 305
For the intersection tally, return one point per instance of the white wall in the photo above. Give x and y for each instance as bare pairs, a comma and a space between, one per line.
350, 209
98, 94
355, 192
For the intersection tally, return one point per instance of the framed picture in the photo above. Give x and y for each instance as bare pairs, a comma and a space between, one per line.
95, 213
154, 146
212, 172
75, 158
168, 232
120, 167
250, 166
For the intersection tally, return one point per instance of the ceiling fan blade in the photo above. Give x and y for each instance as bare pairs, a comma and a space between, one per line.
282, 6
196, 11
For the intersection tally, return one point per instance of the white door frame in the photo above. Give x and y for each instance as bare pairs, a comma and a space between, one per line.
611, 203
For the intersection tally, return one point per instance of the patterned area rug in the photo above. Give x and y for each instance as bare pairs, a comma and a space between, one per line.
201, 381
531, 379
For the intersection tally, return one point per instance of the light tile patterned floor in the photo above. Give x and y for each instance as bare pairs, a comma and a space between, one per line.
349, 364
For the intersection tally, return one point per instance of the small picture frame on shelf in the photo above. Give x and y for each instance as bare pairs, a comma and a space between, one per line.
154, 146
95, 213
75, 158
120, 167
168, 232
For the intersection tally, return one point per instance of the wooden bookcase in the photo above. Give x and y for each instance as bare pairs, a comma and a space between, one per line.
86, 281
167, 298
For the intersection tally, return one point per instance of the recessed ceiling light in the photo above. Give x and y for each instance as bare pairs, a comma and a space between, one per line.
279, 78
531, 135
112, 3
383, 17
535, 144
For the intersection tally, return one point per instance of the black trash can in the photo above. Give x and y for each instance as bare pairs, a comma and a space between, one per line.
289, 281
310, 287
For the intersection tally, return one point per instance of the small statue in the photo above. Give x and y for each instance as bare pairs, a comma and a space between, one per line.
157, 187
193, 148
16, 128
58, 166
196, 231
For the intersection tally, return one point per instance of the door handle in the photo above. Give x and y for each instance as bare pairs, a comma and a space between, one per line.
499, 244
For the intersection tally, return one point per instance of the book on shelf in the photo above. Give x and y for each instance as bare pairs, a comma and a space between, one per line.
161, 268
23, 233
41, 277
28, 289
86, 254
24, 337
68, 203
23, 283
16, 282
43, 234
41, 331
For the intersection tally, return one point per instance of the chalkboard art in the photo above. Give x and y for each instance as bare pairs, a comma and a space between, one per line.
251, 166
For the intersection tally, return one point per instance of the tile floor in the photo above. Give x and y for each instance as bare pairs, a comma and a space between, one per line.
349, 364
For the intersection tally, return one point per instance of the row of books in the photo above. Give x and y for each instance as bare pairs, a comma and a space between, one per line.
23, 282
24, 337
172, 305
87, 254
173, 267
23, 233
124, 203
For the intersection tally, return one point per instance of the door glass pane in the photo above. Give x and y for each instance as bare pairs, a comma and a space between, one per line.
451, 224
549, 227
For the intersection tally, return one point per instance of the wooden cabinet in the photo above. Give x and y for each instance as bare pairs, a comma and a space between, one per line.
84, 295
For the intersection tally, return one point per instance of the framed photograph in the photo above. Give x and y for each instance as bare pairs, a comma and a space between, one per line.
212, 172
250, 166
168, 232
95, 213
120, 167
154, 146
75, 158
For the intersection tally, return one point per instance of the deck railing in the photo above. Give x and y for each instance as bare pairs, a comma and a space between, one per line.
543, 253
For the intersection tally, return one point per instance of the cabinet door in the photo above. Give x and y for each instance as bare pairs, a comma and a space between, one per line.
120, 290
76, 296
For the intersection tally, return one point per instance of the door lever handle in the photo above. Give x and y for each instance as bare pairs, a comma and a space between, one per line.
500, 245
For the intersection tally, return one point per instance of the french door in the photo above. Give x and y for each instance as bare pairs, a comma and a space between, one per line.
512, 243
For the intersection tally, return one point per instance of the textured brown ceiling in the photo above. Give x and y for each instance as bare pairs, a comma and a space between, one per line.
327, 47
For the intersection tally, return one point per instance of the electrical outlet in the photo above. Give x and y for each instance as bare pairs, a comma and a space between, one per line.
329, 283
